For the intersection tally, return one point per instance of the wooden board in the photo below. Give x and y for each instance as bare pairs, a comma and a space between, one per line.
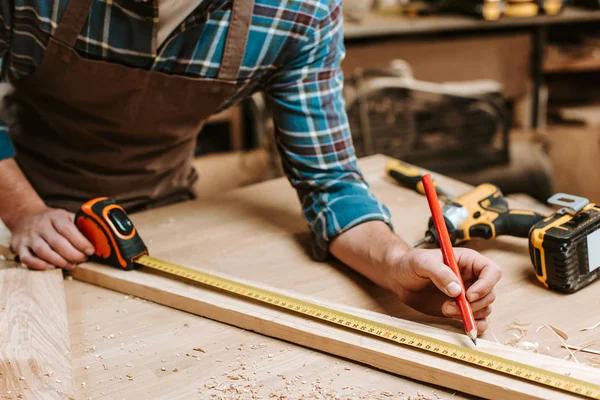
258, 233
121, 343
376, 353
35, 359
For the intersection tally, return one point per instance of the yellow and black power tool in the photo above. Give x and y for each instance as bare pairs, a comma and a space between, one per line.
480, 213
565, 247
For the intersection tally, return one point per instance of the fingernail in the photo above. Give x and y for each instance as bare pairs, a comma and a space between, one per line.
451, 309
453, 289
89, 251
473, 297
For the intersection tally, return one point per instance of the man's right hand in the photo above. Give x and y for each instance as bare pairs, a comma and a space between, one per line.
49, 238
42, 237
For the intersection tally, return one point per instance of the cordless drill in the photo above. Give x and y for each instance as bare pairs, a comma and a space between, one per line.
480, 213
564, 247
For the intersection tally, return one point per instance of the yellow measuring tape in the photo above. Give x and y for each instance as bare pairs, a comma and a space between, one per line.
383, 331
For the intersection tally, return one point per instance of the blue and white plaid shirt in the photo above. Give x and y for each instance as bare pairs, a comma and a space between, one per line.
293, 55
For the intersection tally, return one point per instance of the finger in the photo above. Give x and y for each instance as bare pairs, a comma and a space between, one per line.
42, 250
62, 246
479, 314
440, 274
471, 262
32, 261
63, 223
483, 286
449, 307
484, 302
482, 326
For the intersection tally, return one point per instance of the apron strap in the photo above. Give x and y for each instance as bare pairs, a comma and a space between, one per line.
237, 36
72, 20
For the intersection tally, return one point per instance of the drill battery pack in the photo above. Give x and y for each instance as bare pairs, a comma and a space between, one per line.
565, 247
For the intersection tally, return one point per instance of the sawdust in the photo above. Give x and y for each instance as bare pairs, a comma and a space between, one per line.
241, 383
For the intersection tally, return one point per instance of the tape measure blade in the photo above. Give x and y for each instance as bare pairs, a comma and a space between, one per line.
380, 330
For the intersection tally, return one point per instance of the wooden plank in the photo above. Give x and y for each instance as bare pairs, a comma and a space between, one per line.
330, 339
35, 359
120, 344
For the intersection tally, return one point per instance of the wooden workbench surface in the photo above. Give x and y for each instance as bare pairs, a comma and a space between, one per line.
124, 347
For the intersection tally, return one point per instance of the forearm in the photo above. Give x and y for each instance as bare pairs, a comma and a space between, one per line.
371, 249
17, 196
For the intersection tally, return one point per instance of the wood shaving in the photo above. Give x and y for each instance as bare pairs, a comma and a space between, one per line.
584, 349
589, 328
529, 346
562, 337
199, 349
553, 329
490, 330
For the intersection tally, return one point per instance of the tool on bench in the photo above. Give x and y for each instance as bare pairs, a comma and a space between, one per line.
565, 247
480, 213
411, 177
118, 244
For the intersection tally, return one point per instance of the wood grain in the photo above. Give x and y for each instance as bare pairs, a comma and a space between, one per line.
35, 359
390, 357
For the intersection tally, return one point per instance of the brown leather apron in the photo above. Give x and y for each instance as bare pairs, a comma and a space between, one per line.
87, 128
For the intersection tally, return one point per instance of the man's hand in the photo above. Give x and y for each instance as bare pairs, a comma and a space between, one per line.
49, 238
42, 237
422, 281
419, 277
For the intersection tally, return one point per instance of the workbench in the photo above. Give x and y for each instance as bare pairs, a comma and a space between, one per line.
124, 347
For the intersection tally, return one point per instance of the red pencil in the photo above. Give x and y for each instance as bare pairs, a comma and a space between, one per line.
444, 238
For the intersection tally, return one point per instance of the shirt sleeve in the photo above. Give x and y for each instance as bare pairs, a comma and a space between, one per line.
314, 140
6, 147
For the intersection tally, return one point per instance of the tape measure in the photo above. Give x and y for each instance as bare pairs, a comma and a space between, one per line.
118, 244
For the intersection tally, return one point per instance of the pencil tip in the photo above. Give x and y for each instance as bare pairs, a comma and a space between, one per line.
473, 336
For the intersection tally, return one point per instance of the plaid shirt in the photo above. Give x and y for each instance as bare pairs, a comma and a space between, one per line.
293, 55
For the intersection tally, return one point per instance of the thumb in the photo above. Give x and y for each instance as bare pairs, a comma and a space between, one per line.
442, 277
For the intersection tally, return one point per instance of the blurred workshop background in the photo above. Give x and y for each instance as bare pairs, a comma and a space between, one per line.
506, 92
